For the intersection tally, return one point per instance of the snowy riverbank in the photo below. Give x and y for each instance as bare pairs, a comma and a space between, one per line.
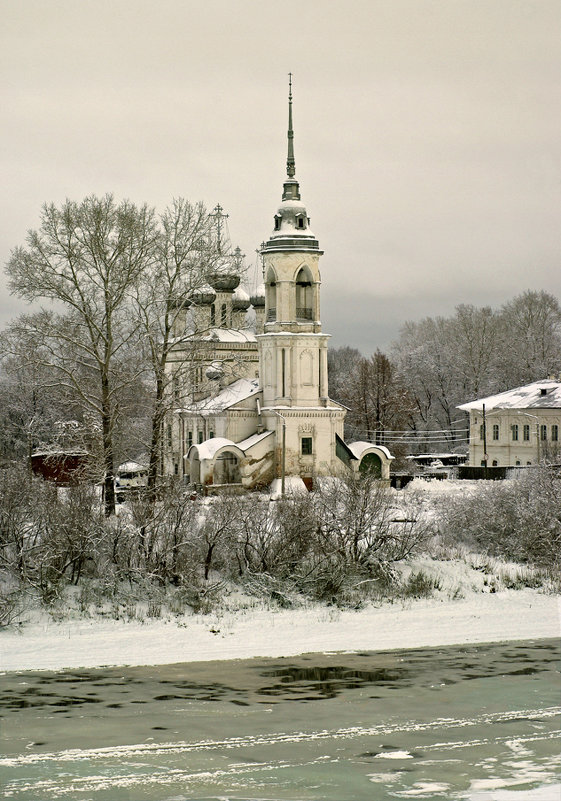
480, 617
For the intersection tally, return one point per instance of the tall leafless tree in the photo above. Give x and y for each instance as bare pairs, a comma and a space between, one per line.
85, 258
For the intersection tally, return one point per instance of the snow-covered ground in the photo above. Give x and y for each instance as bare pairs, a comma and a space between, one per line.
480, 616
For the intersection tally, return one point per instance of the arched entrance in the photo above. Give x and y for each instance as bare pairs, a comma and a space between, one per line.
371, 465
227, 468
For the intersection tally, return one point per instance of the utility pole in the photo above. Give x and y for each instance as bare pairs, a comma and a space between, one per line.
283, 452
485, 456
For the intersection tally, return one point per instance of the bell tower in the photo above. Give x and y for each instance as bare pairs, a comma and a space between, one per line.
292, 347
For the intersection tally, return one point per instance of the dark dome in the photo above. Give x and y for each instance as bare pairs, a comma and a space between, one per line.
203, 296
224, 282
240, 300
258, 298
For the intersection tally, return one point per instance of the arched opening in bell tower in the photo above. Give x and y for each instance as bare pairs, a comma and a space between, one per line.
304, 295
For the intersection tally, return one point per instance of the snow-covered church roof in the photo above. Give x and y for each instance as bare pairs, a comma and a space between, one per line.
229, 335
545, 394
210, 447
238, 391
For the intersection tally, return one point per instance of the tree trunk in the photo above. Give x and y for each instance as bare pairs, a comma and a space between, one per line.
106, 421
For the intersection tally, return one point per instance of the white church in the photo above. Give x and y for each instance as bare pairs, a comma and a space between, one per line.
253, 405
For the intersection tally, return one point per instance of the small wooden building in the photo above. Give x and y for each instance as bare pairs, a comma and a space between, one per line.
62, 467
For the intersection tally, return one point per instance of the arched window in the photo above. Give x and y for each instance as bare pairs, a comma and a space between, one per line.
304, 295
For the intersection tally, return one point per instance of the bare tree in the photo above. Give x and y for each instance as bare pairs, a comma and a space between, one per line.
185, 257
530, 340
86, 258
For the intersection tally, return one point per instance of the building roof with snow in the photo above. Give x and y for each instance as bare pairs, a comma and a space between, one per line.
545, 394
229, 335
131, 467
360, 448
234, 393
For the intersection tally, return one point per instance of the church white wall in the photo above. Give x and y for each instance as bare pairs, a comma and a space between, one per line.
299, 380
319, 425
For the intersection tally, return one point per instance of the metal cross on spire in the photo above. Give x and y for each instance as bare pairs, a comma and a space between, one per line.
217, 215
290, 163
237, 259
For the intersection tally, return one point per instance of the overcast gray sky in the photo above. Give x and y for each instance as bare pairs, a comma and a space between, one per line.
427, 135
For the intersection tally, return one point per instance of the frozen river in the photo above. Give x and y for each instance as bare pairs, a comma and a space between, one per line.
454, 723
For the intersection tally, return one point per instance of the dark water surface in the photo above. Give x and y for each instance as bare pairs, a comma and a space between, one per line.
451, 723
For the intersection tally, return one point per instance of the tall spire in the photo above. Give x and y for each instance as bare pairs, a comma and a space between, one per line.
292, 224
290, 163
291, 190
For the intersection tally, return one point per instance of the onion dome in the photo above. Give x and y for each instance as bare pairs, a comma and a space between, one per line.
204, 296
182, 303
240, 300
214, 371
224, 282
258, 298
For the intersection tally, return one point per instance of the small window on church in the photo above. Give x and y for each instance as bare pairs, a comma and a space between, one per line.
200, 437
212, 315
189, 439
306, 446
169, 435
277, 223
300, 222
223, 316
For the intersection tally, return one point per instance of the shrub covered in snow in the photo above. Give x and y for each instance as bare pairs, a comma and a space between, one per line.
518, 519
